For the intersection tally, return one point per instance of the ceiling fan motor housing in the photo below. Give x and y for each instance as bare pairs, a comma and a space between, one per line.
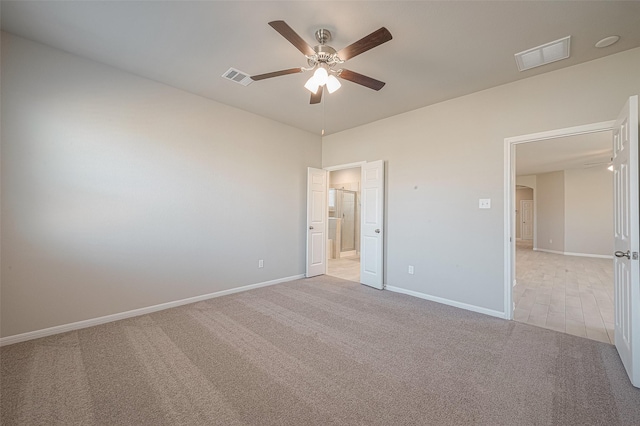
324, 55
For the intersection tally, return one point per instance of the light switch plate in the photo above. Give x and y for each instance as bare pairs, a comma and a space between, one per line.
485, 203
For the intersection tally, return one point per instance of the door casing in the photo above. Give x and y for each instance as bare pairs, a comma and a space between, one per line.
510, 196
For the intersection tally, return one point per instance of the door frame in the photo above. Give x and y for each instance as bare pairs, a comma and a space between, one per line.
330, 169
509, 195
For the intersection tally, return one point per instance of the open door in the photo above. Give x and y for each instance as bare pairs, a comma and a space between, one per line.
372, 194
316, 222
626, 234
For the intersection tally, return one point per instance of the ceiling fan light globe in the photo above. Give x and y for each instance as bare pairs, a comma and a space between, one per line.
312, 85
321, 75
333, 84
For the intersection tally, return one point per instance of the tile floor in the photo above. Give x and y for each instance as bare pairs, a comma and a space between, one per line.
570, 294
347, 268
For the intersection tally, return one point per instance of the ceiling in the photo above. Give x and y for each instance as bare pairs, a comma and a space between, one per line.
572, 152
439, 51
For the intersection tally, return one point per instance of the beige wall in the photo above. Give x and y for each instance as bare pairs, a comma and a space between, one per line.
453, 152
521, 194
589, 211
346, 176
527, 180
575, 210
550, 211
121, 193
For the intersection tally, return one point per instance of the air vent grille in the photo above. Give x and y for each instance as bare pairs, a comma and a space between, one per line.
237, 76
545, 54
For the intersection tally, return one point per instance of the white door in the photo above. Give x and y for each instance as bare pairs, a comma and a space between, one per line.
372, 194
316, 225
626, 280
526, 213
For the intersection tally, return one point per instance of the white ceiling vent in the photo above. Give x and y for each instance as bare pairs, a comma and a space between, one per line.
545, 54
237, 76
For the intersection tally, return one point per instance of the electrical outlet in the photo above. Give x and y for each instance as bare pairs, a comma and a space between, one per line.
484, 203
550, 241
410, 269
260, 263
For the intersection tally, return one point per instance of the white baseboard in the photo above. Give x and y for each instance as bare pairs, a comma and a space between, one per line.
599, 256
17, 338
549, 251
453, 303
349, 253
567, 253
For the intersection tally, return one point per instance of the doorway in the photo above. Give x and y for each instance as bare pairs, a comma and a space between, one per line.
371, 229
343, 236
525, 213
561, 269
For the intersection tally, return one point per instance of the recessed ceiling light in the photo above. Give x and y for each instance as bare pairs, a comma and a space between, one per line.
544, 54
607, 41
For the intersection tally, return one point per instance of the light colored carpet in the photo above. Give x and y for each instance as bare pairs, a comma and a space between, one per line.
320, 351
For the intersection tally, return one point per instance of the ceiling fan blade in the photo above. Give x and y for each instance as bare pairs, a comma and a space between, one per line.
275, 74
374, 39
363, 80
287, 32
316, 97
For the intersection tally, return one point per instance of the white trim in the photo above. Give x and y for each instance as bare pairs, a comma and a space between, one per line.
509, 195
453, 303
602, 126
17, 338
568, 253
345, 166
509, 227
549, 251
349, 253
599, 256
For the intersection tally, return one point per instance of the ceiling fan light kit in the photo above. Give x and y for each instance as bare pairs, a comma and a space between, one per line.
312, 85
333, 84
323, 58
320, 78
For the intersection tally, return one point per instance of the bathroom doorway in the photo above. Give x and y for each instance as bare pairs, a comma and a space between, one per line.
343, 236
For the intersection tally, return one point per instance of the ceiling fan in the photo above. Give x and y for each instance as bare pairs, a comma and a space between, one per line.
324, 59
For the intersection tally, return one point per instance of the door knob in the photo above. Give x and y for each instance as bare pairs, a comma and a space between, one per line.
377, 231
311, 227
623, 254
